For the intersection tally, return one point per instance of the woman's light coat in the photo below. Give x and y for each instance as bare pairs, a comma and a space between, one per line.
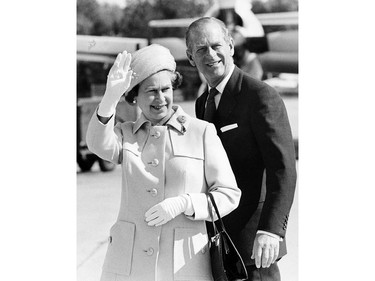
184, 157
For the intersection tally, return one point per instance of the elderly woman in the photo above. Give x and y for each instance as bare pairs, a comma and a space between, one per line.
169, 162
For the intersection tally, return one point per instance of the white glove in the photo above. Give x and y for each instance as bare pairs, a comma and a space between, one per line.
166, 210
118, 82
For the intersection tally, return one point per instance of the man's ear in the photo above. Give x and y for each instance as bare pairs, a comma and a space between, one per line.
190, 58
231, 46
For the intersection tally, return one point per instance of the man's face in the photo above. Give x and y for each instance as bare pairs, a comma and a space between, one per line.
210, 53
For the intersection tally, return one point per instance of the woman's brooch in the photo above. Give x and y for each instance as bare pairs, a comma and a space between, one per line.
182, 119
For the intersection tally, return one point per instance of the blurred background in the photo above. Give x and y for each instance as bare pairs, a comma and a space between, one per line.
266, 46
265, 34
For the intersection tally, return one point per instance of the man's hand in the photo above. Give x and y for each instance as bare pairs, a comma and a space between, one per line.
265, 250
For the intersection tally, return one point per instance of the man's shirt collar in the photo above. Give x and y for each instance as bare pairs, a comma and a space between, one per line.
224, 82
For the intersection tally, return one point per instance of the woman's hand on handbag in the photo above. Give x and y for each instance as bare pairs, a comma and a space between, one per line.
265, 250
166, 210
118, 82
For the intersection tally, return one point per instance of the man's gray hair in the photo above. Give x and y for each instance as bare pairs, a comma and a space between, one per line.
194, 26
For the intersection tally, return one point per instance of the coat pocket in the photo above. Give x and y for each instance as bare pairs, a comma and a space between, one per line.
120, 249
191, 256
187, 146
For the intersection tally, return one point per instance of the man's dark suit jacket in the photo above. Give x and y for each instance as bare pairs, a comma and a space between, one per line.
262, 142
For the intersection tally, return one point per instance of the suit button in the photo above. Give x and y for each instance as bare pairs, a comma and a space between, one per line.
150, 251
153, 192
154, 162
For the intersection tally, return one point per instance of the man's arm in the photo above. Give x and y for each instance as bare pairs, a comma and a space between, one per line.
274, 137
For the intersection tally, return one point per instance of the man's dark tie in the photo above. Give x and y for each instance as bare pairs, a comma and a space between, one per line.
209, 112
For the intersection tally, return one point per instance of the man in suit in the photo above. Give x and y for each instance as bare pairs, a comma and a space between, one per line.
252, 123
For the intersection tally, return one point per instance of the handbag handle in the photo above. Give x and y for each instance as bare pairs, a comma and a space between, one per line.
221, 224
211, 214
217, 229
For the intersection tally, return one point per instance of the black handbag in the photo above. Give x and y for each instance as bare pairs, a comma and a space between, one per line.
226, 262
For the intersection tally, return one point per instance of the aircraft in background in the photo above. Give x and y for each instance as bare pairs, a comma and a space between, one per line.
276, 50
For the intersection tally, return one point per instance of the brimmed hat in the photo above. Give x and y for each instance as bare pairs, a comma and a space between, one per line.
148, 61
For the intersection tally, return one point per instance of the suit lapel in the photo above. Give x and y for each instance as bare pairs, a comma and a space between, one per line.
200, 104
228, 99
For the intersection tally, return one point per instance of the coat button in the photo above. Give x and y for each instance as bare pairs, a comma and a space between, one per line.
153, 192
150, 251
154, 162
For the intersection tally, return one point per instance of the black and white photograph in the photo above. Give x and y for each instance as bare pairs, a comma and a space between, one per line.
148, 73
161, 140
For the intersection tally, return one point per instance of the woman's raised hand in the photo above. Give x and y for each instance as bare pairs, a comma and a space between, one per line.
118, 82
120, 74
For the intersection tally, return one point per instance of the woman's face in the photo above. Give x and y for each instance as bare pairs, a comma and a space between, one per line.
155, 96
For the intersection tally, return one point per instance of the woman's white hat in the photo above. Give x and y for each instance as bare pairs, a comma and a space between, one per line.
148, 61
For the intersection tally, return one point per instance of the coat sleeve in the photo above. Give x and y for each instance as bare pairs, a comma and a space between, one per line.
273, 134
105, 140
219, 178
